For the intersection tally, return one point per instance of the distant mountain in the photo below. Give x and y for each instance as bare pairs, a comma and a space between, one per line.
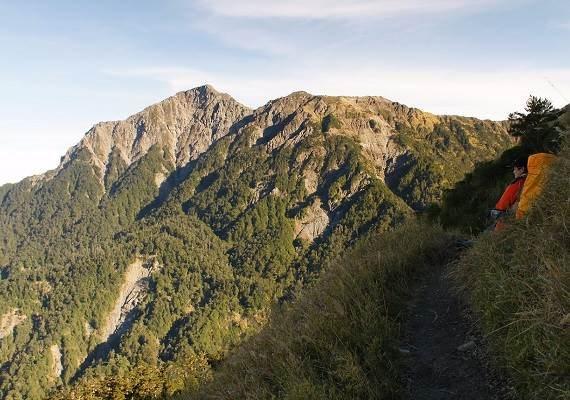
165, 239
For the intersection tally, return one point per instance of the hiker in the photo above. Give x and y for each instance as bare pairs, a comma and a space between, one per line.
508, 201
538, 166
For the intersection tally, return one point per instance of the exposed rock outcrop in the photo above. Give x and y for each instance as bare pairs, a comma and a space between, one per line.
132, 291
88, 329
56, 364
313, 223
186, 124
159, 178
9, 321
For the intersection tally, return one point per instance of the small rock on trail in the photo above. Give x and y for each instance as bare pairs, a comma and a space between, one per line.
446, 355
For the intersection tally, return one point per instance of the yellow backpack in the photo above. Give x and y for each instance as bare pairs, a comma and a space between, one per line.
538, 166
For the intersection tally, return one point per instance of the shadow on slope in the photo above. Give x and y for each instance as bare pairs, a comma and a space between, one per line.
179, 175
466, 206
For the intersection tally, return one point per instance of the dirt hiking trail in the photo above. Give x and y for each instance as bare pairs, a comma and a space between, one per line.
445, 356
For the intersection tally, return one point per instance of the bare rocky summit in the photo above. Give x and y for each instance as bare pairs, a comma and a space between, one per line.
185, 125
188, 123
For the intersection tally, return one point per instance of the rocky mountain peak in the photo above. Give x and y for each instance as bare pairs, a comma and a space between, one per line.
185, 125
200, 95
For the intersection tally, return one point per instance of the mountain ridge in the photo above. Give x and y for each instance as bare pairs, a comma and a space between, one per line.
94, 140
241, 208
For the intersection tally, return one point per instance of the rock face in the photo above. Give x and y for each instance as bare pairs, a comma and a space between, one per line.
289, 119
88, 329
56, 365
185, 125
353, 116
385, 130
313, 223
9, 321
131, 293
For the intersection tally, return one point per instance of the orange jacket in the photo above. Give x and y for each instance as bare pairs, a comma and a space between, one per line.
538, 166
510, 195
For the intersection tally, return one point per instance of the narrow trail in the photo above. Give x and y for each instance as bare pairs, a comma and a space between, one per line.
444, 354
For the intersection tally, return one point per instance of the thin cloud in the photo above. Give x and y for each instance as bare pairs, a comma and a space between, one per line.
304, 27
322, 9
272, 40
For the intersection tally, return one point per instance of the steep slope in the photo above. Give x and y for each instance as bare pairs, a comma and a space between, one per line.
184, 126
239, 209
518, 282
126, 161
339, 341
58, 232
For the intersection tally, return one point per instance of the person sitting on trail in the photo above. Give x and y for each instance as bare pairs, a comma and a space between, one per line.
510, 196
538, 166
508, 201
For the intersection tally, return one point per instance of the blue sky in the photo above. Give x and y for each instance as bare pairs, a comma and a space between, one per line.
65, 65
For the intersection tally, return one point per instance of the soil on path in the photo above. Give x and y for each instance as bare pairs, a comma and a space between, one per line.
444, 353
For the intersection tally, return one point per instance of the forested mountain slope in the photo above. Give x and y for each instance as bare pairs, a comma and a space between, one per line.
164, 239
357, 335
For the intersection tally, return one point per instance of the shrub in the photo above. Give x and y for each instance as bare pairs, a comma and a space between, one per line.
539, 128
466, 206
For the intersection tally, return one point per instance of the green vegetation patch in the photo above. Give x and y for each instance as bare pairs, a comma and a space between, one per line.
466, 206
330, 122
339, 340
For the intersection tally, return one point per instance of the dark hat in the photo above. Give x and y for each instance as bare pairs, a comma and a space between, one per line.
520, 162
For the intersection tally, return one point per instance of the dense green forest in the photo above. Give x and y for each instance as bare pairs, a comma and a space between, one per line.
340, 338
248, 224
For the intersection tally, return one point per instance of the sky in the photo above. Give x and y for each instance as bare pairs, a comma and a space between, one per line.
66, 65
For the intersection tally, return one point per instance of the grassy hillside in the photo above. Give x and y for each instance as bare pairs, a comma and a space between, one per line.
339, 340
519, 284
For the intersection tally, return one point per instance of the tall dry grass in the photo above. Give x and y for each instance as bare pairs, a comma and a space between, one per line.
519, 284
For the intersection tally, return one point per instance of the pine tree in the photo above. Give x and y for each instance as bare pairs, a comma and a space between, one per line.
538, 128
